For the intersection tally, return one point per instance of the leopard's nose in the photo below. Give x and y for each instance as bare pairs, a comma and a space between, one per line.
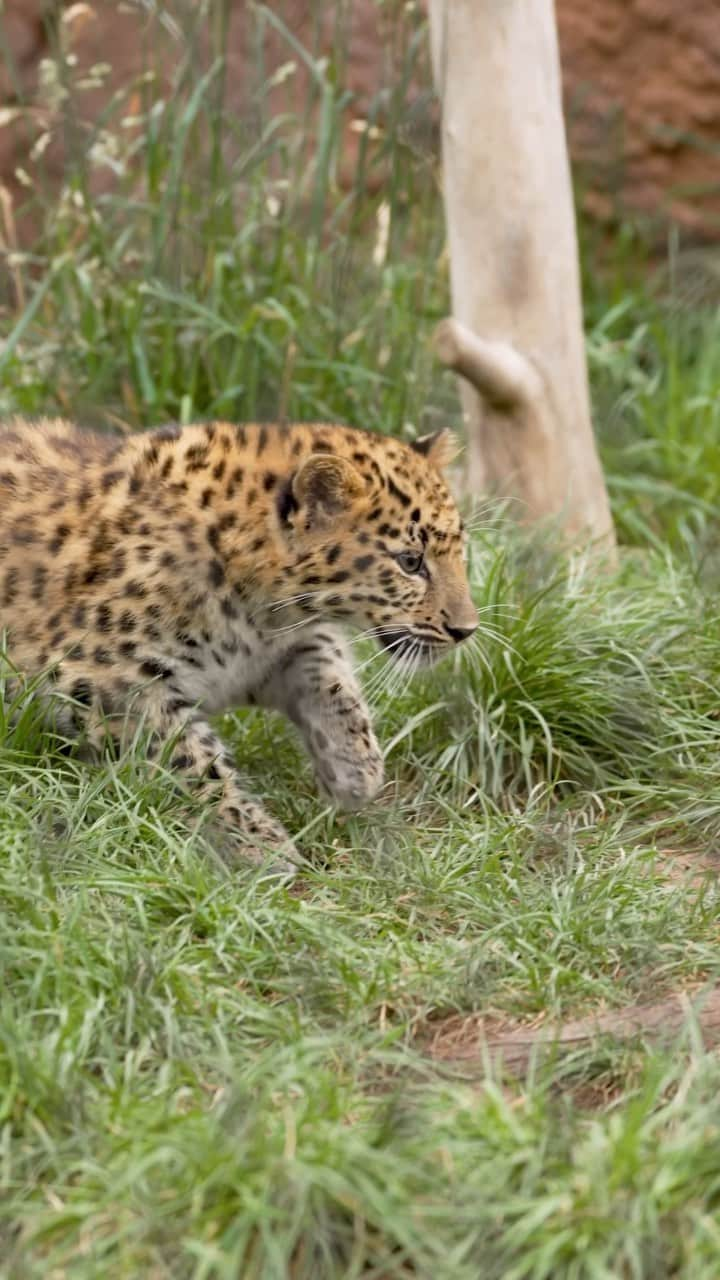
459, 634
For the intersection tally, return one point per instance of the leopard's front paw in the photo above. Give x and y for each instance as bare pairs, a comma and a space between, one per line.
352, 781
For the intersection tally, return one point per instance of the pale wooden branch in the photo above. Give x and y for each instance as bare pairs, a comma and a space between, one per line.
472, 1044
504, 377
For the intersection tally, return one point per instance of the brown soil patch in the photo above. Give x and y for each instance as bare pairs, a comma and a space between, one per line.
688, 866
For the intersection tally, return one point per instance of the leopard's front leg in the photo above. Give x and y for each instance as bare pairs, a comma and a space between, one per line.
315, 685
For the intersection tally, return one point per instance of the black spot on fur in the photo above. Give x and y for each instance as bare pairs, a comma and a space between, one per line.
286, 503
39, 582
58, 539
196, 458
152, 669
117, 564
403, 498
182, 762
216, 574
22, 533
175, 706
81, 691
170, 431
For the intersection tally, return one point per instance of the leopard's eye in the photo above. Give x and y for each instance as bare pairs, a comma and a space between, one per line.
411, 561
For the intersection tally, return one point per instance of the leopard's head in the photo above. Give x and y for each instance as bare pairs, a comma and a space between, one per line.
375, 539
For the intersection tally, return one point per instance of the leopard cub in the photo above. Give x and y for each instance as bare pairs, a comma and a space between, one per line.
183, 571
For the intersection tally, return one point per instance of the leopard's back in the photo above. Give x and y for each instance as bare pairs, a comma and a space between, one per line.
41, 461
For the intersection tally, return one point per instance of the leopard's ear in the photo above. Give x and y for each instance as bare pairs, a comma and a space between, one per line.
326, 485
440, 447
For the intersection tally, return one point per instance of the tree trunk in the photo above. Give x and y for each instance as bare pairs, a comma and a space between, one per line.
516, 335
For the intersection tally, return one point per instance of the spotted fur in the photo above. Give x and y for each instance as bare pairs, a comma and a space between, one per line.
180, 572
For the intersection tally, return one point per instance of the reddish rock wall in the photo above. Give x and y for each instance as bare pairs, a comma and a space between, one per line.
642, 83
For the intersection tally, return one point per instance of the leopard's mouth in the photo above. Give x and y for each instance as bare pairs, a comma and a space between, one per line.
411, 647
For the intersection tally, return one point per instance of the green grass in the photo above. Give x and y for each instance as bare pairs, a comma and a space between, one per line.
204, 1074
